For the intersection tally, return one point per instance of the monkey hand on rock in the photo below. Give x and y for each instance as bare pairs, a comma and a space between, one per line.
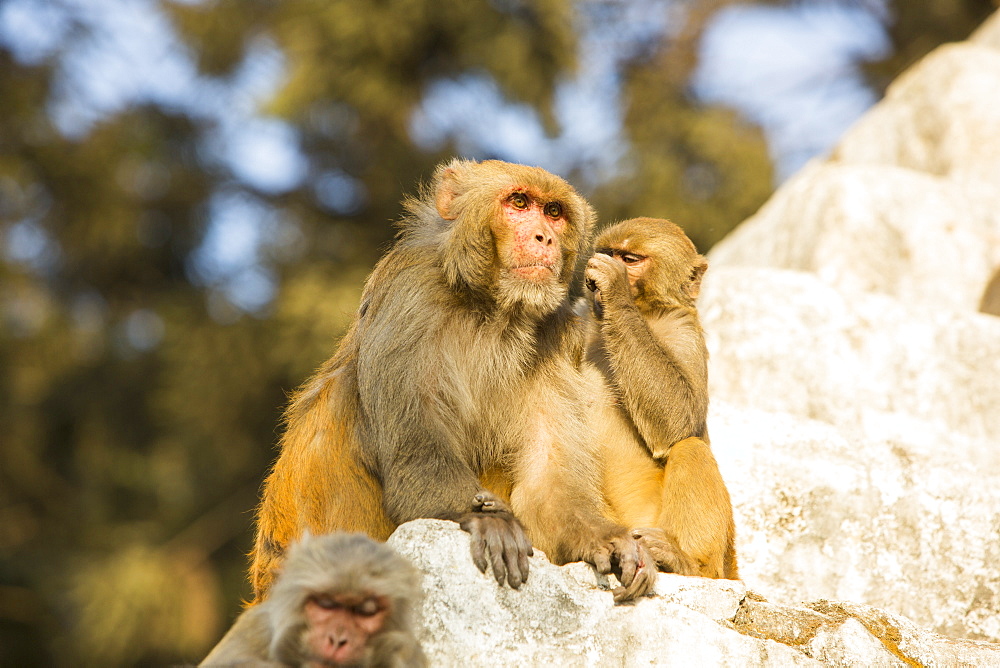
630, 562
498, 539
666, 551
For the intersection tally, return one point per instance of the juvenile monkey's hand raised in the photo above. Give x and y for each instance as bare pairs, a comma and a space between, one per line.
631, 563
607, 278
497, 539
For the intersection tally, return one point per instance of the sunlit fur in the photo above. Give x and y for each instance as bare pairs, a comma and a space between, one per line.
649, 367
450, 382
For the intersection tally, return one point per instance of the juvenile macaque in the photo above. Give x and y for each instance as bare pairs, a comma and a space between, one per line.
457, 393
647, 346
340, 600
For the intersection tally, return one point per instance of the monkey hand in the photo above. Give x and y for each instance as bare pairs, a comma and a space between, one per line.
498, 539
666, 551
606, 277
630, 562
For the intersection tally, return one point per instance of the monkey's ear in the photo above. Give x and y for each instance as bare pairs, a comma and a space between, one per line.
693, 286
447, 190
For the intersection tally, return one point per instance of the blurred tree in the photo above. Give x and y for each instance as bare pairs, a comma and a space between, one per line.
703, 167
140, 399
98, 462
916, 27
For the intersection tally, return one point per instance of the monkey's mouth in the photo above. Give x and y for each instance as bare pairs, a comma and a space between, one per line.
535, 271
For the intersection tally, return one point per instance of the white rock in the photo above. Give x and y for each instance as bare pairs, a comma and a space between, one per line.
563, 617
900, 528
788, 342
905, 639
855, 389
850, 644
940, 117
927, 241
717, 600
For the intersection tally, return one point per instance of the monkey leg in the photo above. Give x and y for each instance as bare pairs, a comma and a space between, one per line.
696, 511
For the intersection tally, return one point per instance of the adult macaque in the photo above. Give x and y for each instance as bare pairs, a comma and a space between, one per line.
457, 392
646, 342
340, 600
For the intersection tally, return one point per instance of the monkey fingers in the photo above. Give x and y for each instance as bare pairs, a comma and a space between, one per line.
605, 273
643, 580
498, 540
631, 564
666, 551
484, 502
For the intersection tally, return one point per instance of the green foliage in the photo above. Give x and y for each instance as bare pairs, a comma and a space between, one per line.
140, 407
704, 168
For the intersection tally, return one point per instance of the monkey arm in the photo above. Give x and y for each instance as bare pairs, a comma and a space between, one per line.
405, 389
406, 471
659, 370
425, 477
412, 410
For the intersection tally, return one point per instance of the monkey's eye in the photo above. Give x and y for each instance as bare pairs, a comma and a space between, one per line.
629, 258
518, 200
553, 209
327, 602
367, 607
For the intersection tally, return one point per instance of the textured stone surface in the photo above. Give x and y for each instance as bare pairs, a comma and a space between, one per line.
881, 512
928, 241
786, 341
940, 117
565, 616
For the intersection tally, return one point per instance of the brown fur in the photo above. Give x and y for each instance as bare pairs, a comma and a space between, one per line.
335, 566
648, 356
457, 391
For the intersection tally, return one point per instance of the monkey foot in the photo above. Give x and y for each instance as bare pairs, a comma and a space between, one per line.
665, 551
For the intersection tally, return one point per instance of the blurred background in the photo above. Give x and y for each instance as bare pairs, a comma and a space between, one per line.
191, 194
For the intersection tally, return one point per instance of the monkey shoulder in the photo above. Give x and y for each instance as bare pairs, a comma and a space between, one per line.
246, 643
411, 301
